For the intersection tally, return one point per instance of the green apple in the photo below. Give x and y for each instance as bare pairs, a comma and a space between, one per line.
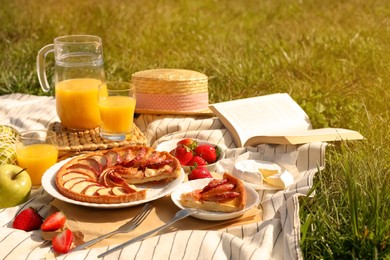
15, 185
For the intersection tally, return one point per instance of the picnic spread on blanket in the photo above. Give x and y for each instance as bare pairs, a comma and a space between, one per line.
122, 148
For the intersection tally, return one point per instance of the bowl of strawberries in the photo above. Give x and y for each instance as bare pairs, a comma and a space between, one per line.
193, 153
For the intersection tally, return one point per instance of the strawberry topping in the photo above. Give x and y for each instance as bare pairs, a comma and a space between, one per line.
220, 197
214, 183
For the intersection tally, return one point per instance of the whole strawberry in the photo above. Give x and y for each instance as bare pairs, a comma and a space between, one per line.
183, 154
63, 241
208, 152
199, 172
197, 160
188, 142
27, 220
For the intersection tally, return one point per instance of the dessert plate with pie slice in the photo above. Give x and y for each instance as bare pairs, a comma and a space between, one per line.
252, 200
154, 191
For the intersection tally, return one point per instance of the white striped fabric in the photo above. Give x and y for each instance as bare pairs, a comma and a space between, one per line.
276, 237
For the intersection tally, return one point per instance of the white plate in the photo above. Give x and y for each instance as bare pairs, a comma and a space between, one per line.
252, 200
154, 191
171, 144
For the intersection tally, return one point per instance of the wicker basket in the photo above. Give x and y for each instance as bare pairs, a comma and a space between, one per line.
72, 142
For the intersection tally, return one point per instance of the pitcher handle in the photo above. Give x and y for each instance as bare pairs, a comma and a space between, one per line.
41, 66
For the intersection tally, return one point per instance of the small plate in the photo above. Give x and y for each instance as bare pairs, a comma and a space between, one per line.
171, 144
252, 200
154, 191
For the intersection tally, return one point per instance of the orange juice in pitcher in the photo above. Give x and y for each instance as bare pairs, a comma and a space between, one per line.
77, 103
78, 73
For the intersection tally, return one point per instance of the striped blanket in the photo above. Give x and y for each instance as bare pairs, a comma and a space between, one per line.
277, 236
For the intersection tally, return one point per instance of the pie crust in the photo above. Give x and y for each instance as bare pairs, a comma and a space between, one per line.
108, 177
221, 195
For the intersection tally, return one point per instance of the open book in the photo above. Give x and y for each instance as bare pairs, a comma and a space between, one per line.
273, 119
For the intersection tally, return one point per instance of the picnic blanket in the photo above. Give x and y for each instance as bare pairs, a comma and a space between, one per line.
275, 236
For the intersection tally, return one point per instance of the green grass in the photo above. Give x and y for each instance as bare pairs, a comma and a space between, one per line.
331, 56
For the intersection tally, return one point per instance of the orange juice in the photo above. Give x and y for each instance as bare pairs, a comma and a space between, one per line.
117, 113
77, 103
37, 158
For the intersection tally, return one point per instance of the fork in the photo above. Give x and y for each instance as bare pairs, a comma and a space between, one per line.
125, 228
178, 216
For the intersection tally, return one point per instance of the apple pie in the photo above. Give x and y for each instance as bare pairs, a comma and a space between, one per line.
110, 176
222, 195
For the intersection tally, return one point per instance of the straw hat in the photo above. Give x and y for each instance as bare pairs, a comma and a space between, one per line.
171, 91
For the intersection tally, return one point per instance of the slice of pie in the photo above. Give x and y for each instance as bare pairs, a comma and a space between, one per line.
110, 176
221, 195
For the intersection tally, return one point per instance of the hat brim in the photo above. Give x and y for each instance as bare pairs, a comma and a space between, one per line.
206, 112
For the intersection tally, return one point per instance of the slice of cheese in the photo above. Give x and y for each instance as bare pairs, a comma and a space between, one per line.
269, 169
280, 180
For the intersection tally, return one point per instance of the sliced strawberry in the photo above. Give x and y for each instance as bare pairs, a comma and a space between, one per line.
199, 172
220, 197
219, 189
27, 220
213, 184
63, 241
188, 142
54, 221
197, 160
208, 152
183, 154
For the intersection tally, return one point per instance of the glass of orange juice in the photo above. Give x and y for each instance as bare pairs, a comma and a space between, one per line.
116, 106
36, 150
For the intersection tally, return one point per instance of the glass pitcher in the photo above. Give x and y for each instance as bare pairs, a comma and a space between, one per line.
78, 73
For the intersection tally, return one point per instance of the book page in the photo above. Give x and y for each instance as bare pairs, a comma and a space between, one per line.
312, 135
275, 114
